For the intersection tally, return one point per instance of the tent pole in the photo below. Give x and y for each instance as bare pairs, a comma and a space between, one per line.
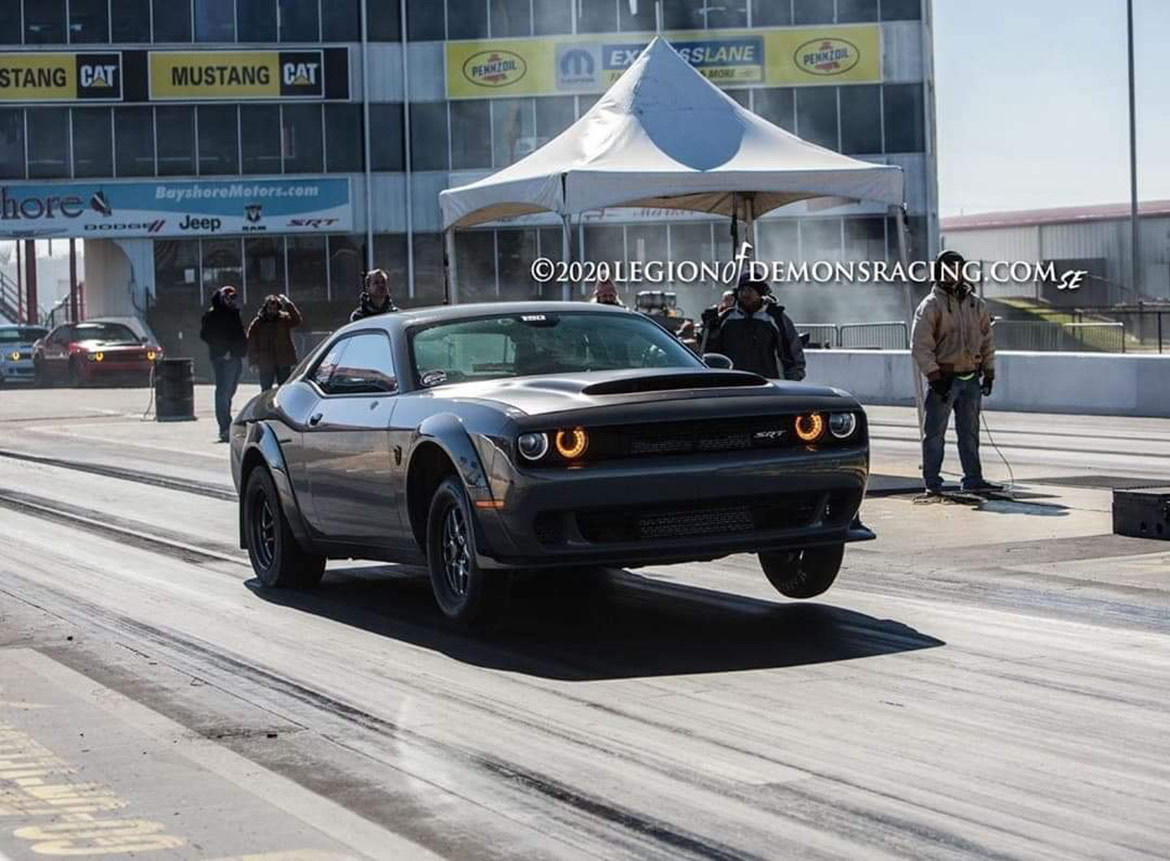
566, 250
908, 294
749, 224
734, 224
452, 296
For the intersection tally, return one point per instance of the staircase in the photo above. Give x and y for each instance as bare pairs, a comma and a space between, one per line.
11, 304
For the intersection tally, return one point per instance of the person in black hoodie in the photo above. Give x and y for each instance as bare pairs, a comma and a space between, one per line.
375, 298
756, 334
227, 345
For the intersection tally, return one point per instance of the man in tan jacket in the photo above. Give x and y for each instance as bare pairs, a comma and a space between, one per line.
954, 349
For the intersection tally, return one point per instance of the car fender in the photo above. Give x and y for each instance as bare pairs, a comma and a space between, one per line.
451, 435
262, 439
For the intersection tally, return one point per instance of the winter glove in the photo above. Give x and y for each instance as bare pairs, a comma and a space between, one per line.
941, 385
986, 387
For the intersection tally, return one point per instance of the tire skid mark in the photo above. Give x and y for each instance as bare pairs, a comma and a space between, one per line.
183, 485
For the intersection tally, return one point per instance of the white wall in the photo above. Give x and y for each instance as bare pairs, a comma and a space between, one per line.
1075, 383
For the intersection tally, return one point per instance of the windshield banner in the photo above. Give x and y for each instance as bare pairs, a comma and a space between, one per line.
175, 209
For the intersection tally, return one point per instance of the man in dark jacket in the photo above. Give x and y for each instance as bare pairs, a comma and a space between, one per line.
223, 331
375, 298
756, 334
271, 350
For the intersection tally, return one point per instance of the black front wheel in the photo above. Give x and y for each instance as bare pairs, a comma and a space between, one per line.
277, 557
466, 593
803, 573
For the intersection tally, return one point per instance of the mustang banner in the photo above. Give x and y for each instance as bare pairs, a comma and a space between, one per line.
175, 209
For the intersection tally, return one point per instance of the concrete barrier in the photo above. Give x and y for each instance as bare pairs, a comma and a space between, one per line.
1076, 383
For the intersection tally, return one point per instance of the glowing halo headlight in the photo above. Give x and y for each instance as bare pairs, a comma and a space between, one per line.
14, 355
533, 446
842, 425
810, 427
571, 444
151, 355
98, 357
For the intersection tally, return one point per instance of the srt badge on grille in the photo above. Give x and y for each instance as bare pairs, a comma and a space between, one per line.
768, 435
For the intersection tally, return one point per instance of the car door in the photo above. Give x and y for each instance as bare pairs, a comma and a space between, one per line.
346, 441
55, 353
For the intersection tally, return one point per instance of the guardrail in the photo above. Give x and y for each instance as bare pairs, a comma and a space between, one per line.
874, 336
1055, 337
821, 336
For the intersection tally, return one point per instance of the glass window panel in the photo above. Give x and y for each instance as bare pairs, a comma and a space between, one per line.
176, 273
386, 141
597, 16
298, 20
551, 17
175, 129
219, 140
429, 285
48, 143
641, 21
646, 242
684, 14
256, 20
865, 238
742, 97
812, 11
425, 21
554, 114
820, 239
816, 115
726, 13
383, 20
172, 20
222, 264
301, 136
777, 239
604, 243
513, 130
93, 142
861, 119
692, 241
264, 262
88, 21
905, 130
469, 19
516, 249
342, 21
215, 21
771, 13
44, 22
851, 11
260, 138
343, 138
130, 21
134, 141
10, 21
428, 136
306, 269
347, 262
551, 246
12, 143
390, 255
470, 147
475, 253
777, 106
901, 10
511, 18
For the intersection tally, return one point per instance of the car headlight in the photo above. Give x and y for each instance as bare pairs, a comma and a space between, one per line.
151, 355
810, 427
842, 425
571, 444
14, 355
533, 446
97, 357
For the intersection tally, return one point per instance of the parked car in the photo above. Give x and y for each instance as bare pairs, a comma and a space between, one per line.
93, 351
482, 439
16, 352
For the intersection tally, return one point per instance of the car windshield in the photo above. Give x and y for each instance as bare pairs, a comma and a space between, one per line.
103, 332
539, 343
20, 334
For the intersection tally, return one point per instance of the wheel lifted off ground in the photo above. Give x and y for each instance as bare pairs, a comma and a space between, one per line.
803, 573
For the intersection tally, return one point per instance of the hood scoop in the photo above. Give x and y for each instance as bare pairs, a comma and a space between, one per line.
674, 382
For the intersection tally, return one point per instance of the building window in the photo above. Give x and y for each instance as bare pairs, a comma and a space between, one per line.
554, 114
726, 13
813, 11
642, 21
604, 243
48, 143
778, 106
511, 18
386, 141
215, 21
343, 138
855, 11
597, 16
130, 21
513, 130
176, 272
425, 21
865, 238
299, 20
88, 21
256, 20
134, 141
382, 20
93, 142
390, 255
428, 136
471, 149
469, 19
777, 240
260, 138
44, 22
347, 262
222, 265
515, 251
10, 21
905, 129
901, 10
861, 119
685, 14
307, 276
816, 115
429, 279
552, 17
693, 241
301, 139
771, 13
175, 128
264, 266
475, 256
343, 23
219, 139
820, 239
172, 20
11, 143
742, 97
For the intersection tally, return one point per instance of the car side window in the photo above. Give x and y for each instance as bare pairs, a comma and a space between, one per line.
362, 365
61, 336
325, 367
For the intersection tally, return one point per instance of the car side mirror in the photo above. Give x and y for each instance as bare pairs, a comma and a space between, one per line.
718, 361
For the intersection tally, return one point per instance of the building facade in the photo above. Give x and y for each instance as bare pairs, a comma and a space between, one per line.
286, 145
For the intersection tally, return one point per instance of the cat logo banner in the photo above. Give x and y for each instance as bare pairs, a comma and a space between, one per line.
55, 77
181, 75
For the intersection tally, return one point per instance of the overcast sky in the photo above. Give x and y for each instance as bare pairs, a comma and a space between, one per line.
1032, 103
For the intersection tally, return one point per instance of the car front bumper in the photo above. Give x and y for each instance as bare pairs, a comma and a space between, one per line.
18, 370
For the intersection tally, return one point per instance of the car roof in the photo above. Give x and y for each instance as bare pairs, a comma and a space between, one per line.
445, 313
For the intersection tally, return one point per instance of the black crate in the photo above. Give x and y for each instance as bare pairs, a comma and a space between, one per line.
1142, 512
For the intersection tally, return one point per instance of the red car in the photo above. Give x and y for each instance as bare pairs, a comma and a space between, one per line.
93, 351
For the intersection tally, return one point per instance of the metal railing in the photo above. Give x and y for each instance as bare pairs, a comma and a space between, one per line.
874, 336
1104, 337
821, 336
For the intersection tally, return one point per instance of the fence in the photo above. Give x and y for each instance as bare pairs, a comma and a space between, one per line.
873, 336
1054, 337
1145, 328
821, 336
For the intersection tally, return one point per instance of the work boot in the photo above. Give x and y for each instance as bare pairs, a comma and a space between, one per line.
983, 486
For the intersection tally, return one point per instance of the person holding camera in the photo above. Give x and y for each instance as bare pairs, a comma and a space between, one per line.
271, 350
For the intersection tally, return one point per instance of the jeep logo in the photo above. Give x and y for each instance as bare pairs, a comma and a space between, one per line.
210, 225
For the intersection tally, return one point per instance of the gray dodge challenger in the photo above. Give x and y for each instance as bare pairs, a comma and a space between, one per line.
479, 440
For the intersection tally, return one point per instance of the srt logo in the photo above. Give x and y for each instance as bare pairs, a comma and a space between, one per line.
769, 435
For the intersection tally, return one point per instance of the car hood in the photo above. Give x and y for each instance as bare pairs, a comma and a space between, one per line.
537, 396
98, 344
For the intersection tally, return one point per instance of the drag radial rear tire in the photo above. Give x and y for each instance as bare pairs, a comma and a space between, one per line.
277, 557
467, 594
803, 573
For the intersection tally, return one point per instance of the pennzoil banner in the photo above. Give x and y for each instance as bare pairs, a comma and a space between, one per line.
789, 56
34, 76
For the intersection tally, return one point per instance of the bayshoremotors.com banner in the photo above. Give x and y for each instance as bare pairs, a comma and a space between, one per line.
176, 209
788, 56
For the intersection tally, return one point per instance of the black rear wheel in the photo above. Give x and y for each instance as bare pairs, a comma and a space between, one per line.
277, 557
466, 593
803, 573
75, 378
